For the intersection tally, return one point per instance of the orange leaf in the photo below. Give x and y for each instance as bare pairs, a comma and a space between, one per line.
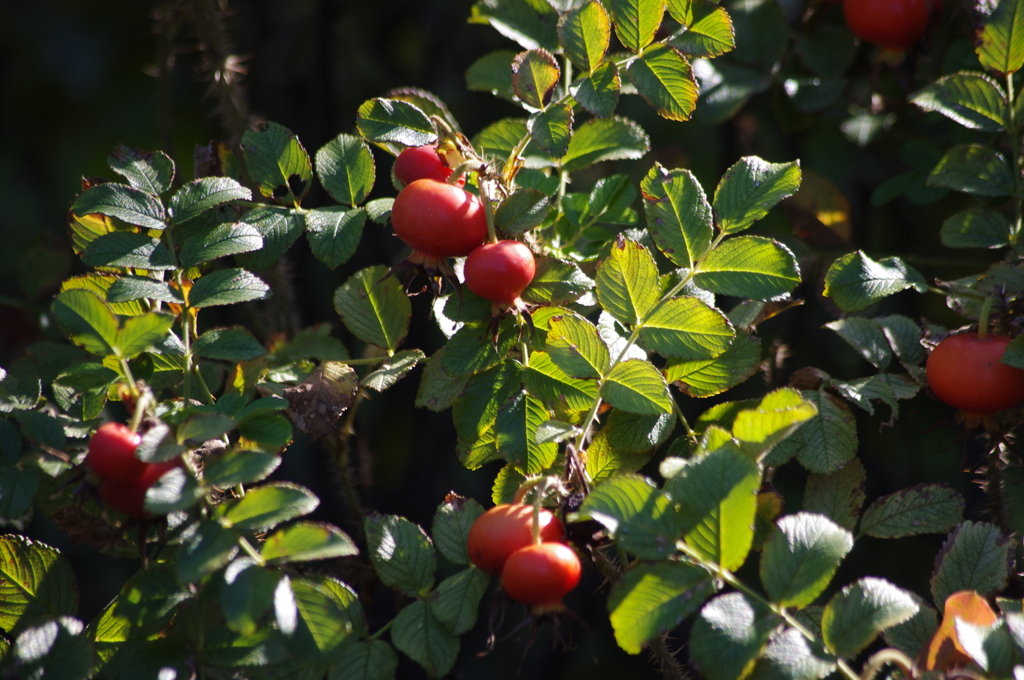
944, 651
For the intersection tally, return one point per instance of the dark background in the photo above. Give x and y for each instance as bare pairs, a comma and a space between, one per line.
78, 78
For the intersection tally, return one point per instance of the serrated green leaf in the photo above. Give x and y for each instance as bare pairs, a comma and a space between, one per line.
866, 337
239, 467
346, 169
522, 211
549, 382
228, 344
575, 346
606, 139
640, 518
321, 626
584, 33
708, 377
752, 187
728, 636
631, 433
556, 282
605, 462
401, 554
211, 547
379, 210
534, 76
838, 496
384, 121
221, 241
687, 328
334, 233
857, 614
129, 288
18, 490
268, 505
438, 390
1014, 354
42, 428
474, 348
128, 249
88, 320
975, 228
829, 440
999, 41
195, 198
662, 76
305, 541
247, 594
227, 287
492, 73
598, 93
636, 386
140, 333
627, 282
653, 598
800, 558
450, 529
972, 99
914, 633
973, 169
123, 202
923, 509
636, 21
709, 32
151, 171
393, 370
279, 230
56, 649
975, 556
855, 281
717, 499
791, 655
370, 660
277, 161
751, 267
36, 583
515, 430
678, 214
419, 635
777, 415
551, 129
475, 411
457, 599
374, 307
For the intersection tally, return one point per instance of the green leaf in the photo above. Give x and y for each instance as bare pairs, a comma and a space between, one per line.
18, 490
123, 202
268, 505
603, 461
10, 438
54, 649
606, 139
401, 554
150, 171
551, 129
636, 21
221, 241
522, 211
973, 169
678, 214
976, 556
277, 162
923, 509
346, 169
140, 333
128, 249
791, 655
662, 76
761, 33
211, 547
866, 337
800, 558
475, 411
41, 427
531, 23
389, 121
639, 517
575, 346
749, 267
393, 370
321, 627
279, 230
717, 498
598, 93
515, 435
36, 583
976, 228
627, 282
777, 415
556, 282
654, 598
305, 541
534, 76
229, 344
457, 599
972, 99
474, 349
87, 319
752, 187
1014, 354
334, 233
438, 390
175, 490
492, 73
247, 594
636, 386
709, 32
374, 307
195, 198
999, 41
728, 636
239, 467
370, 660
857, 614
204, 426
708, 377
227, 287
585, 33
129, 288
855, 281
419, 635
725, 88
450, 528
687, 328
838, 496
829, 440
546, 380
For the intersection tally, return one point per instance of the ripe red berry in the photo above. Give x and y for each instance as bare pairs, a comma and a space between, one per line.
129, 497
422, 162
500, 271
895, 24
112, 453
439, 219
541, 574
503, 529
965, 371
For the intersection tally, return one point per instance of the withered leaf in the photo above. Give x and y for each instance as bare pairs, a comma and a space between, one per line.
316, 404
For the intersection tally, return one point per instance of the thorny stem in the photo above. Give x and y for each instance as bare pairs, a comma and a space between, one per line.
344, 458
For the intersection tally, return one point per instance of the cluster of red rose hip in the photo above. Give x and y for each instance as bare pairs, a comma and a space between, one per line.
124, 479
891, 24
537, 572
439, 219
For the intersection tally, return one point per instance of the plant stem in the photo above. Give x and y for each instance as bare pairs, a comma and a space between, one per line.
249, 550
1013, 128
983, 317
485, 197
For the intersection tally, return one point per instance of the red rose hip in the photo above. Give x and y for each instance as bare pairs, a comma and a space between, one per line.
439, 219
112, 453
129, 497
422, 162
541, 574
505, 528
965, 372
895, 24
500, 271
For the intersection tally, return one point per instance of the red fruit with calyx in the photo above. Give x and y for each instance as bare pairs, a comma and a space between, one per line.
423, 162
500, 271
541, 574
892, 24
129, 497
965, 371
505, 528
438, 219
112, 453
